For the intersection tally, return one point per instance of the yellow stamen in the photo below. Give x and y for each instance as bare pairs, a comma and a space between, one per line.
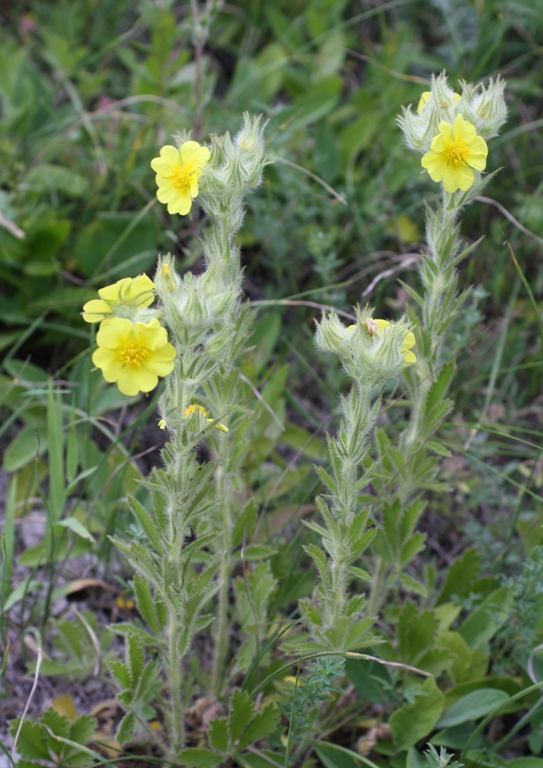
133, 355
457, 152
180, 178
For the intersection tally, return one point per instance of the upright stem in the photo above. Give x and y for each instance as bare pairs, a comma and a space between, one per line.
175, 679
223, 629
198, 50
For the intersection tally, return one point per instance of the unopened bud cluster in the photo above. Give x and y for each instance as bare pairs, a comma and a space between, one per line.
483, 106
235, 165
372, 350
193, 302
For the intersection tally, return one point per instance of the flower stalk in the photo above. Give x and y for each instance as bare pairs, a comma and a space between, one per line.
209, 326
371, 352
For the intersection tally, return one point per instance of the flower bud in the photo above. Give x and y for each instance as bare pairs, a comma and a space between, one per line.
250, 141
486, 107
331, 334
166, 278
372, 350
219, 343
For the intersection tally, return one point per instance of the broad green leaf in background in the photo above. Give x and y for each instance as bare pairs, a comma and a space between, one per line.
415, 721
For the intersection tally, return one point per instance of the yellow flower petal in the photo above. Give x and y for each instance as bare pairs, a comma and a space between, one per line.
133, 354
445, 129
458, 178
95, 310
168, 156
181, 203
193, 154
166, 194
424, 99
381, 323
408, 342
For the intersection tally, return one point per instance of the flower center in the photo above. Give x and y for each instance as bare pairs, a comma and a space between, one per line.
457, 152
133, 355
180, 178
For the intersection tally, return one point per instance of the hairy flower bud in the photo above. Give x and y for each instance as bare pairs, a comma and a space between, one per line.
372, 350
482, 106
331, 334
166, 278
250, 141
485, 106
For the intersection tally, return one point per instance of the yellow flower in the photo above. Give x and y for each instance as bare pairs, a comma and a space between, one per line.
195, 407
455, 151
178, 171
131, 291
425, 98
133, 354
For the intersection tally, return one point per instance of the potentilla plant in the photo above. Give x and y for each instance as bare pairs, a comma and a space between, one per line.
191, 338
189, 331
450, 131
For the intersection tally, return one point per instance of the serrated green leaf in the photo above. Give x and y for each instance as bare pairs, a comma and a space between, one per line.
326, 479
218, 734
82, 729
435, 416
412, 547
242, 711
245, 524
147, 683
146, 523
256, 552
417, 632
264, 723
145, 602
126, 728
134, 658
145, 639
412, 585
436, 447
121, 674
462, 574
33, 739
439, 388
